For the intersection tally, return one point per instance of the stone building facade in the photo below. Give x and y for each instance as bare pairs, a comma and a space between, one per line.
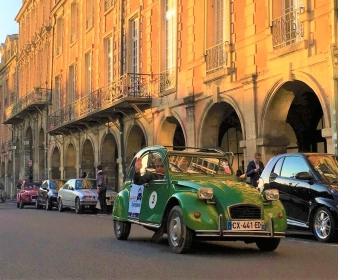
98, 80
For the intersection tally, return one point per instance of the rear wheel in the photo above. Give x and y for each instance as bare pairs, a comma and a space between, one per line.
21, 204
267, 244
122, 229
60, 206
324, 226
179, 235
78, 206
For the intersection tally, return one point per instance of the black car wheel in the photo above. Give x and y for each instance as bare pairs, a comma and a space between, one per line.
60, 206
37, 205
48, 204
21, 204
122, 229
324, 226
3, 199
17, 205
268, 244
78, 206
179, 235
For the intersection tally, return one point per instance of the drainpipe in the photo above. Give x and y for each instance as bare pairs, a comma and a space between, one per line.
49, 100
123, 160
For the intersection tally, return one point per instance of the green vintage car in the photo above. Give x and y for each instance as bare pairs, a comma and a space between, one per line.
199, 197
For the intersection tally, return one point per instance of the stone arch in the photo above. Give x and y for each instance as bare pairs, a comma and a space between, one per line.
221, 127
87, 157
136, 140
70, 161
55, 163
296, 103
171, 131
109, 156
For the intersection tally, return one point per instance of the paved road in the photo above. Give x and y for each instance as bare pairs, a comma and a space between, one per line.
40, 244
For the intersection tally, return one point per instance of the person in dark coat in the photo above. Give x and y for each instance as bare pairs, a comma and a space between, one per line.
147, 177
84, 174
101, 189
254, 169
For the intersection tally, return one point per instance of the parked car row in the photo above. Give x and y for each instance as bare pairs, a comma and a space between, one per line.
79, 194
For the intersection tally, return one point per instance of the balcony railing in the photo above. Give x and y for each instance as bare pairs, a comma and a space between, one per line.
216, 57
37, 96
167, 80
286, 30
128, 86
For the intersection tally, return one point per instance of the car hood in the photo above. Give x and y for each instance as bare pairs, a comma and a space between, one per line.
31, 191
227, 191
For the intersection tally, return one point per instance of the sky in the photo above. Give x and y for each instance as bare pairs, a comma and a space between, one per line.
8, 11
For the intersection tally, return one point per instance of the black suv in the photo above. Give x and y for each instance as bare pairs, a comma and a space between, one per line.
48, 193
308, 189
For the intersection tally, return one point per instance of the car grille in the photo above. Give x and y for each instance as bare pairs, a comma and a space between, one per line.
245, 212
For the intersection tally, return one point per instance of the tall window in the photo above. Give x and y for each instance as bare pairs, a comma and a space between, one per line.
109, 59
73, 24
219, 18
57, 94
89, 13
170, 34
135, 45
72, 84
59, 29
88, 73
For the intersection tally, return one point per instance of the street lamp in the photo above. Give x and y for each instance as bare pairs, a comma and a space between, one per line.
13, 148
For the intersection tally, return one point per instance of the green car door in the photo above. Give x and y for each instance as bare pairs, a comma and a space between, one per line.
154, 199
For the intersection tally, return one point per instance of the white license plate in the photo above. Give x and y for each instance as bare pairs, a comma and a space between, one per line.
33, 200
246, 225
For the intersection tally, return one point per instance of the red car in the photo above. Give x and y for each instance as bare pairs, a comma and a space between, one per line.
27, 194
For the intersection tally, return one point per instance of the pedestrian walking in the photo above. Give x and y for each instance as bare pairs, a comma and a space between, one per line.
101, 190
254, 169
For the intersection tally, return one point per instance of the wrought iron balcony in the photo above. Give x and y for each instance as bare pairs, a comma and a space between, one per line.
167, 80
29, 103
131, 93
286, 30
216, 57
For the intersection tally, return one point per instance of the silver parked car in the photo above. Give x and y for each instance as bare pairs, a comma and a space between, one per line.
78, 194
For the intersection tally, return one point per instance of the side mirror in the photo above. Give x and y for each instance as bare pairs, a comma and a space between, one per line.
305, 176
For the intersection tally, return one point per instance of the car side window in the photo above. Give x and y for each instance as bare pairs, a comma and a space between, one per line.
278, 166
292, 166
145, 161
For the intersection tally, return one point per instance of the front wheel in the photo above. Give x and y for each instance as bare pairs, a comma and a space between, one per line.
78, 206
179, 235
60, 206
48, 204
37, 205
267, 244
324, 226
122, 229
21, 204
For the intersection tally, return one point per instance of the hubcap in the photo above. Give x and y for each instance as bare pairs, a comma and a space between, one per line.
175, 230
322, 224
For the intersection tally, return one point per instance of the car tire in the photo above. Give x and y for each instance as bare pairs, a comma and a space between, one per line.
179, 235
37, 205
268, 244
17, 205
21, 204
122, 229
48, 204
3, 199
324, 226
60, 206
78, 206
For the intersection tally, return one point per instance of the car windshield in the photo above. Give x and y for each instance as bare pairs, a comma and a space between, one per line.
86, 184
30, 186
56, 185
199, 164
327, 167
